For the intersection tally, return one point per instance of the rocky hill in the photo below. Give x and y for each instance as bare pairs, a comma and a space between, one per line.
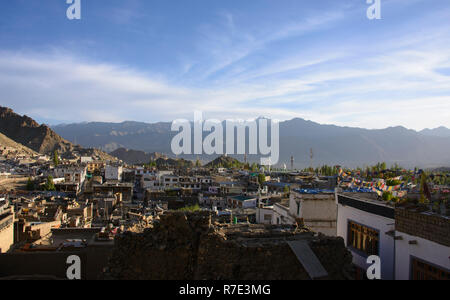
40, 138
6, 142
29, 133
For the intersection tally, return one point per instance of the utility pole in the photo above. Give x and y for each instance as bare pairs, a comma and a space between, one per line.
311, 156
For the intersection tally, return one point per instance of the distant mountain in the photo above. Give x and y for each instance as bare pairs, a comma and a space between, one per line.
21, 149
40, 138
135, 157
331, 144
440, 131
173, 162
111, 136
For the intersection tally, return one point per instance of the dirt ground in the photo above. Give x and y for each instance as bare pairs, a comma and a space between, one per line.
13, 183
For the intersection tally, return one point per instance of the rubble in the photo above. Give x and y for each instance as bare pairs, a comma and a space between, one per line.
187, 246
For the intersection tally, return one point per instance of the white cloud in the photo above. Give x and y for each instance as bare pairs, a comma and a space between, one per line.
395, 83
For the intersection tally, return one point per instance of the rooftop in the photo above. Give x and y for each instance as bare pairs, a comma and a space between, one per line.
243, 198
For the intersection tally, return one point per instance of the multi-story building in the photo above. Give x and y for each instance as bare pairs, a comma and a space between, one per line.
422, 245
95, 166
150, 181
242, 201
113, 172
125, 189
190, 182
317, 210
169, 181
71, 173
367, 226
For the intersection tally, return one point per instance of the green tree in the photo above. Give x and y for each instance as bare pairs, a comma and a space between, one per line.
55, 158
198, 164
261, 179
49, 185
387, 196
193, 208
30, 185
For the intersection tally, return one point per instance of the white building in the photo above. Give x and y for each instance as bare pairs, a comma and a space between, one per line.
264, 215
422, 247
367, 227
318, 211
85, 159
71, 174
281, 215
242, 201
169, 181
113, 172
150, 181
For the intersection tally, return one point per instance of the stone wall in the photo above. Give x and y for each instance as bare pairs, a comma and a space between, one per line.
432, 227
186, 246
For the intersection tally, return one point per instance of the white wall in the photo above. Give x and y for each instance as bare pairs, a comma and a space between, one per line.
113, 173
282, 213
261, 212
428, 251
318, 211
382, 224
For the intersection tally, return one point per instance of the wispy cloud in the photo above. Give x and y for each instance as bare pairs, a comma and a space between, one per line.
311, 68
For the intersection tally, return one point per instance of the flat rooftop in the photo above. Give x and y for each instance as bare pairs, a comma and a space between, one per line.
372, 198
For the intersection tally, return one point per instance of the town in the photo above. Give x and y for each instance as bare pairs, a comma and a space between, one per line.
86, 204
225, 148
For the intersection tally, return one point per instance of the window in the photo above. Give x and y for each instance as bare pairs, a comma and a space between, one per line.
424, 271
363, 238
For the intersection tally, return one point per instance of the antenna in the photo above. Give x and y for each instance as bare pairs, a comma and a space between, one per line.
292, 163
311, 156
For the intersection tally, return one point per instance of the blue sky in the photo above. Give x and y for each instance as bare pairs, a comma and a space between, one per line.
321, 60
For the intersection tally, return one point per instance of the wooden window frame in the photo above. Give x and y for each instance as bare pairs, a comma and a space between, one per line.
423, 270
366, 234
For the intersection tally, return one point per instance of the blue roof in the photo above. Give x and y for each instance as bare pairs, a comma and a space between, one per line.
243, 198
277, 184
313, 191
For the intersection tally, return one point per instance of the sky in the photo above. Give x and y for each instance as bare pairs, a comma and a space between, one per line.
160, 60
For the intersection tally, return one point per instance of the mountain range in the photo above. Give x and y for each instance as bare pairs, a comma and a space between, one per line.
331, 144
